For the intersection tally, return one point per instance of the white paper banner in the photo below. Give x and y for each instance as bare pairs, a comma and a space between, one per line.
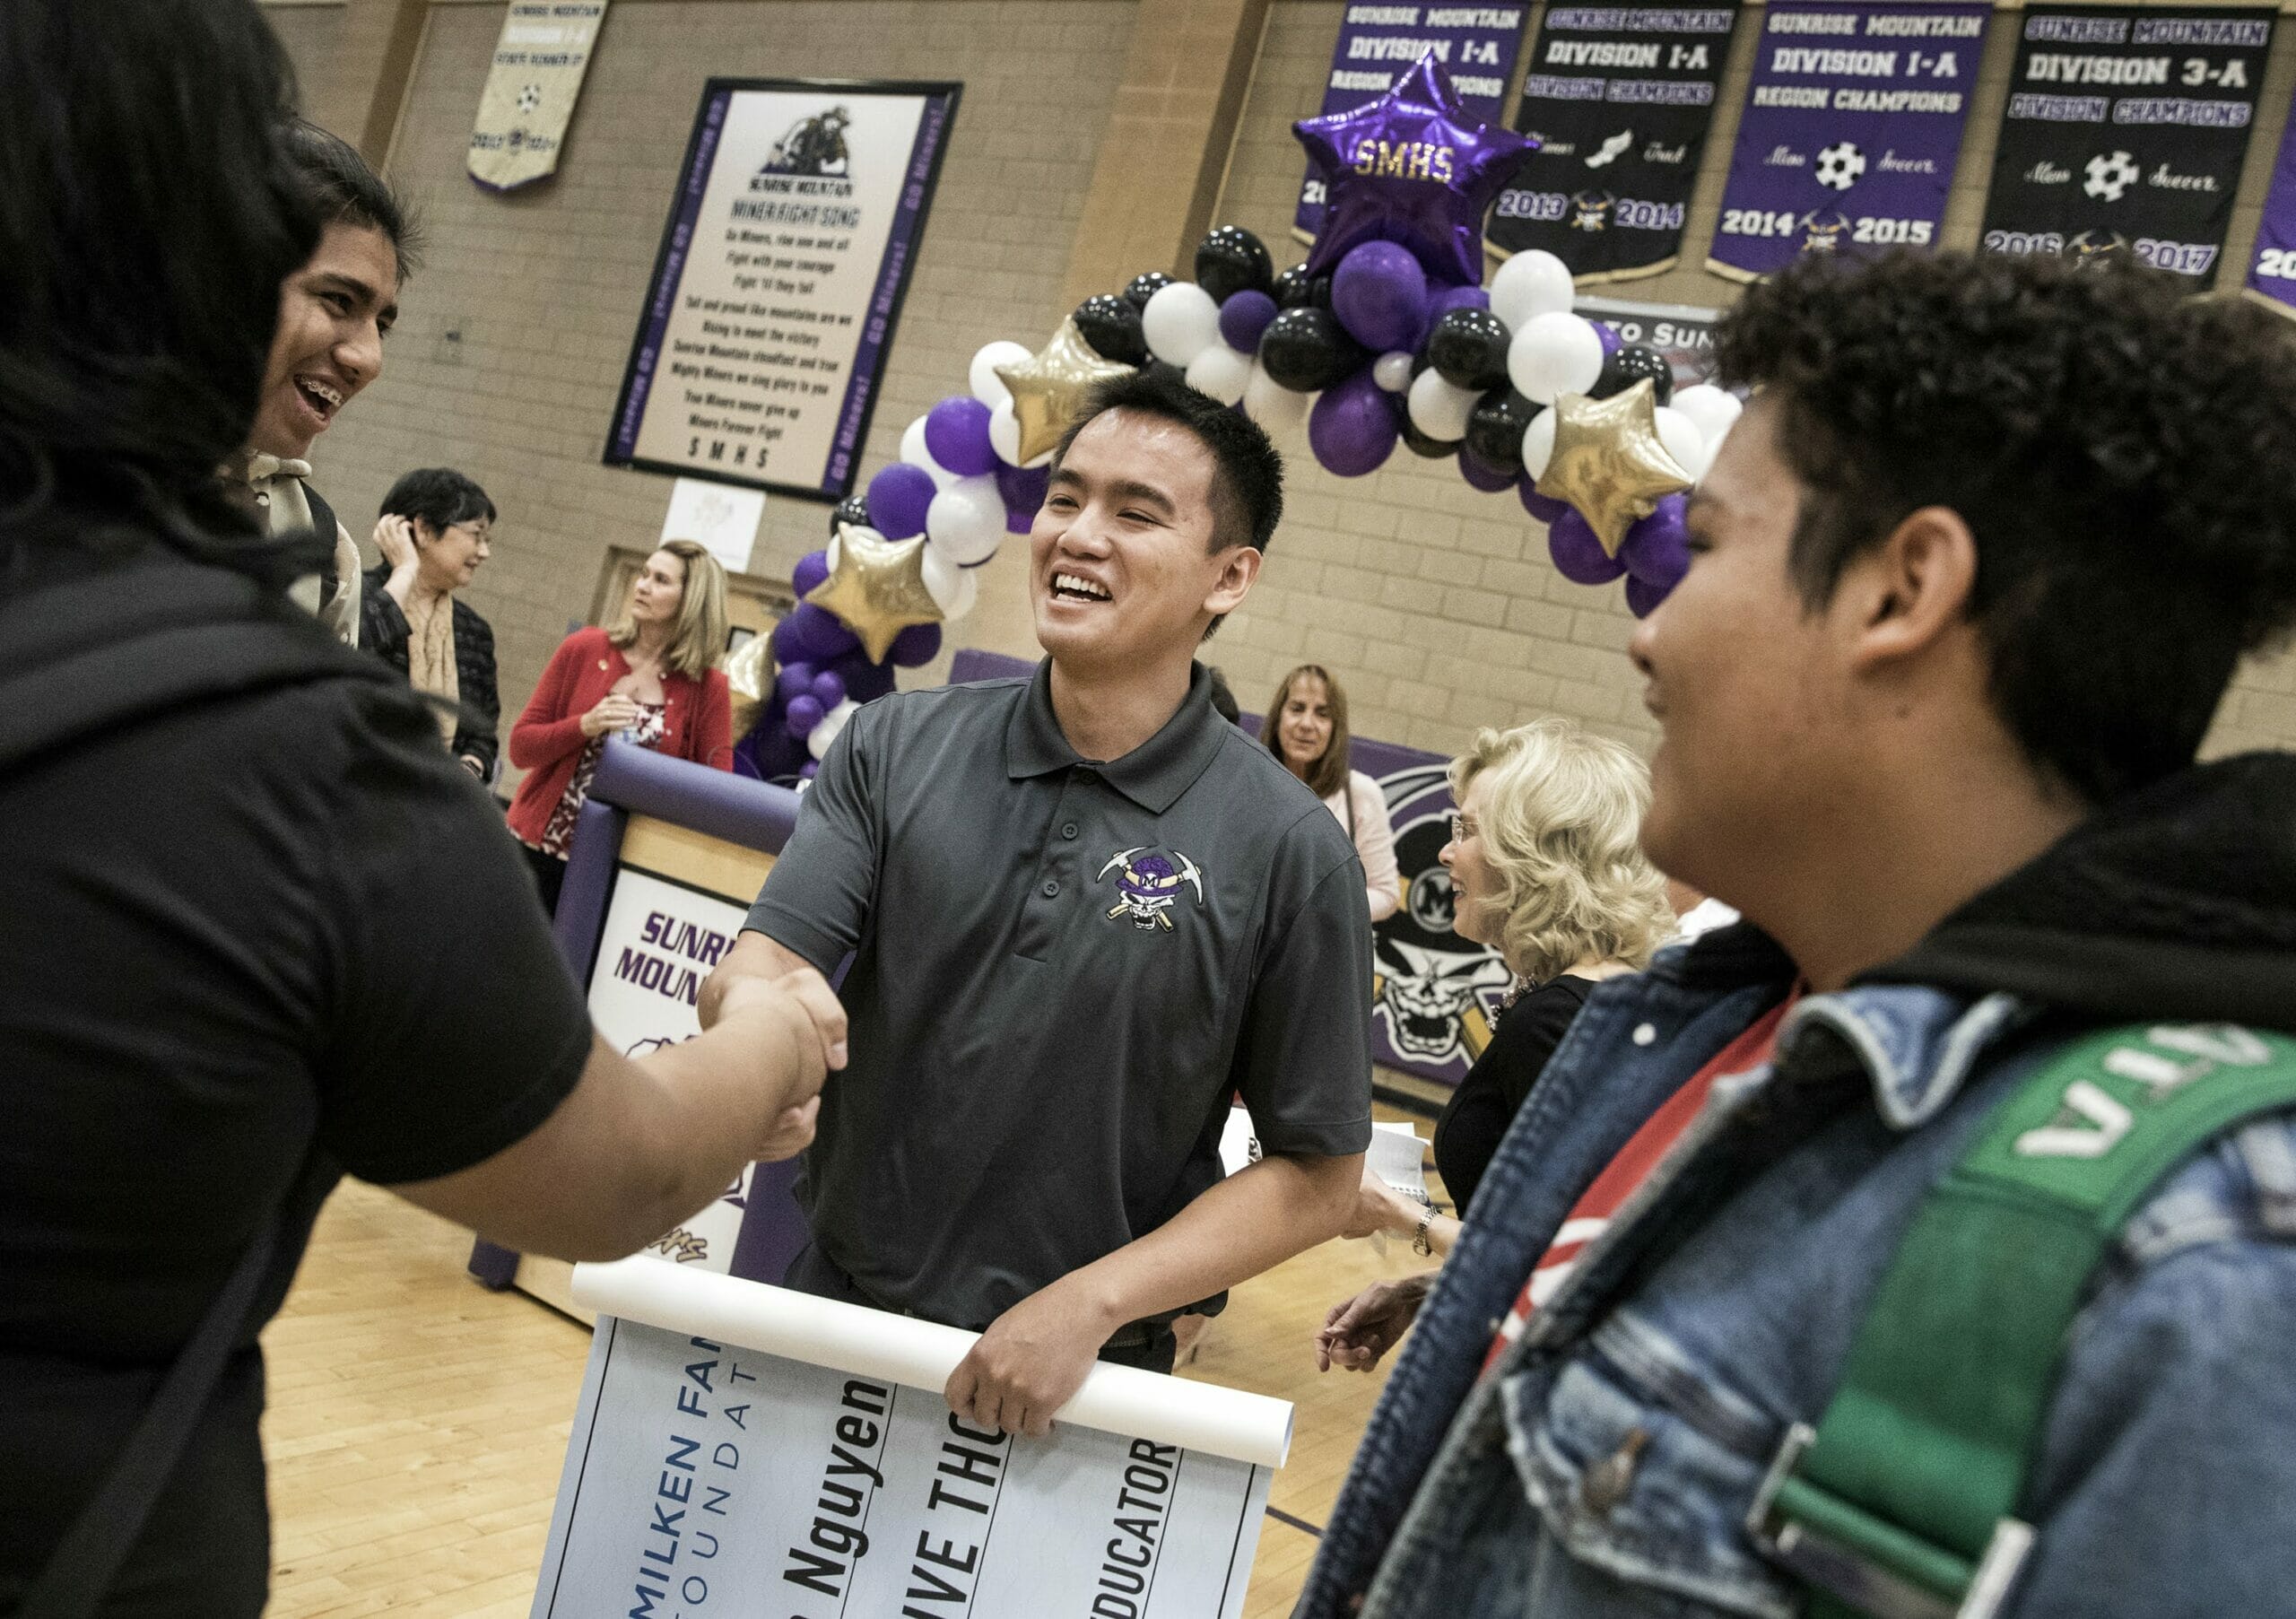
531, 90
659, 942
777, 1454
722, 516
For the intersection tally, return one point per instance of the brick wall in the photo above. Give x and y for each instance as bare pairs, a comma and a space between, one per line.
514, 333
1436, 606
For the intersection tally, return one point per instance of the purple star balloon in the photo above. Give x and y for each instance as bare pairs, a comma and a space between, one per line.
1414, 167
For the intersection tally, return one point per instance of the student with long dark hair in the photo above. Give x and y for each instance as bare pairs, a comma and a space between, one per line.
314, 952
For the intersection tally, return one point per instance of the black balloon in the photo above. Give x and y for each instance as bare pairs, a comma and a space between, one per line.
1305, 350
1469, 348
1232, 260
1434, 450
854, 510
1630, 365
1495, 429
1111, 325
1145, 286
1296, 288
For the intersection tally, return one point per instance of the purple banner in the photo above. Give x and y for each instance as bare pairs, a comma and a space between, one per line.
1378, 44
1852, 128
799, 211
2272, 262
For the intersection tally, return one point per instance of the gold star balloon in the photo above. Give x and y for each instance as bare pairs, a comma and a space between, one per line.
1608, 461
749, 672
877, 587
1049, 386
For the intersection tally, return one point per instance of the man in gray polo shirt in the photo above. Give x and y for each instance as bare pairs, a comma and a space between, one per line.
1083, 908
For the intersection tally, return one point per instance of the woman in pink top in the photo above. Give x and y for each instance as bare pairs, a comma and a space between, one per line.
1307, 729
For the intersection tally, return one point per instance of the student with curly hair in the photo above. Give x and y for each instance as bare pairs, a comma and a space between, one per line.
1968, 580
1544, 869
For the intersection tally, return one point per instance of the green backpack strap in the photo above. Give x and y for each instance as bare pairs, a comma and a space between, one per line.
1901, 1503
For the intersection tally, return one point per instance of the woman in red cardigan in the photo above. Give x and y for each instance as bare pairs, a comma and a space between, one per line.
651, 677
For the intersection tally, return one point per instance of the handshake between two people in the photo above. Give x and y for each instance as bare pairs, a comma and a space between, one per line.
760, 980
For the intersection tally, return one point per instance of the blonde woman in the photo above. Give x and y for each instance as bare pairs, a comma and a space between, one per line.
1547, 869
1307, 729
651, 676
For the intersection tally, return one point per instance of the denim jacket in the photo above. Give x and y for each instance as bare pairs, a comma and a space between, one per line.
1606, 1466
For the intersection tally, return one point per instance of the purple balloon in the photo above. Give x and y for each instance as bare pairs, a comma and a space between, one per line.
1578, 554
956, 435
772, 754
1487, 479
916, 646
1456, 298
793, 681
868, 681
807, 577
1379, 294
1352, 429
1244, 316
809, 769
828, 689
1612, 341
1546, 509
899, 497
1642, 599
1439, 218
802, 715
813, 634
1656, 550
1023, 489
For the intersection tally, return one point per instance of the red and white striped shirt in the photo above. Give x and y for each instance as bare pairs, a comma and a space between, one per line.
1591, 1215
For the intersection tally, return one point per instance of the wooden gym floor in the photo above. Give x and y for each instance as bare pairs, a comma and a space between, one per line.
417, 1422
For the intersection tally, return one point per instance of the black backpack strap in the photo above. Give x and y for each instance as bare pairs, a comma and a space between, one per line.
323, 524
87, 1560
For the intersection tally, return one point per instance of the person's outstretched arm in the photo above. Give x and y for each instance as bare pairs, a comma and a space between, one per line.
643, 1143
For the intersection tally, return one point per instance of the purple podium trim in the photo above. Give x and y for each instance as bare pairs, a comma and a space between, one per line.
718, 804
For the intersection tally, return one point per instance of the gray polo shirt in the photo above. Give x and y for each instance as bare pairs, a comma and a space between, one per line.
1062, 970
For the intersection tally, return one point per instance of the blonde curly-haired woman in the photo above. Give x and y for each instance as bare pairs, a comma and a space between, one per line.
1546, 868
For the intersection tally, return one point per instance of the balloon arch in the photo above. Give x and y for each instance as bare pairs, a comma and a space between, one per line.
1384, 336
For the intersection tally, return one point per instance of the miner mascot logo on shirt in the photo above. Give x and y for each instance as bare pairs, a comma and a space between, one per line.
1149, 884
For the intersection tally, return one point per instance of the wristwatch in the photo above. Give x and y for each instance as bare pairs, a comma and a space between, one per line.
1419, 1243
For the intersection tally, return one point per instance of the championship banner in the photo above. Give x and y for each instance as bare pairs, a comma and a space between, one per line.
1619, 98
1378, 44
772, 1453
2271, 262
2125, 132
1851, 130
799, 210
531, 90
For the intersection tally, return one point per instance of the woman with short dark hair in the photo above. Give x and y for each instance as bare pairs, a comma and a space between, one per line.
436, 528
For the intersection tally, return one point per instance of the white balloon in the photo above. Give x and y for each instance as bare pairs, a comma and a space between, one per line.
1182, 321
1538, 444
1440, 409
1392, 371
913, 451
836, 547
1554, 354
1276, 408
1713, 409
1529, 285
1222, 372
1682, 440
1005, 437
953, 587
988, 387
818, 739
966, 520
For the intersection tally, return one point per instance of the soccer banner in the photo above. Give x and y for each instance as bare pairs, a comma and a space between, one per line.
531, 89
2272, 262
1378, 45
2125, 132
744, 1449
1619, 98
1852, 128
